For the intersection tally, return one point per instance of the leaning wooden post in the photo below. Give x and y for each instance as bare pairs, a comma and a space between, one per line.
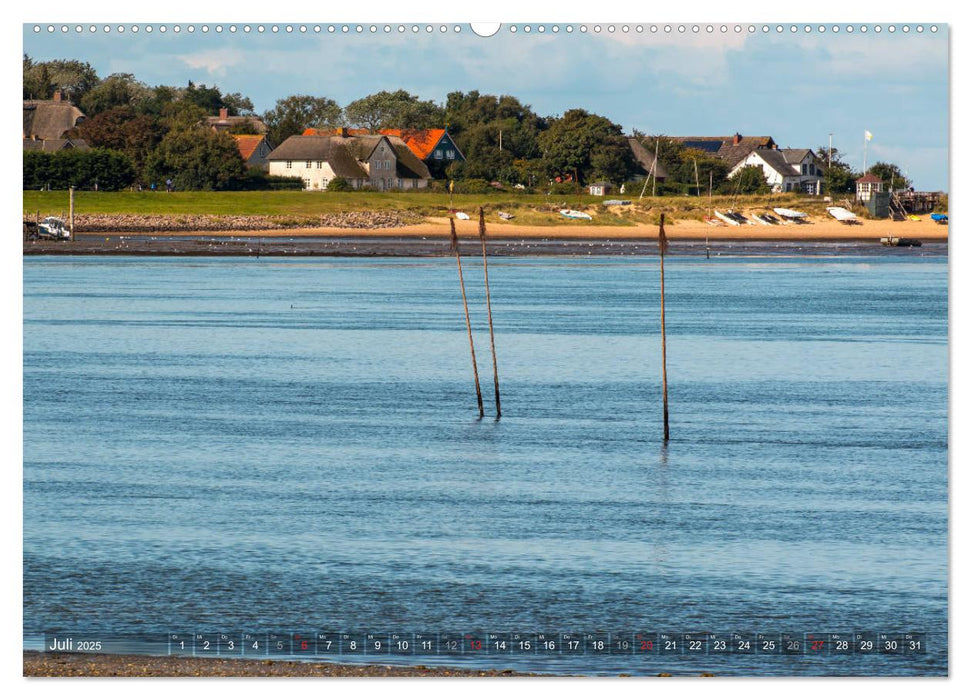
662, 246
71, 210
492, 335
468, 322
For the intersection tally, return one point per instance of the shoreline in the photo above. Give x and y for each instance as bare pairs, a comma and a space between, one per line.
39, 664
436, 246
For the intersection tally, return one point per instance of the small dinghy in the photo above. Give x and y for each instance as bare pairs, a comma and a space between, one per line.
900, 242
790, 214
939, 218
844, 216
726, 218
461, 215
574, 214
505, 216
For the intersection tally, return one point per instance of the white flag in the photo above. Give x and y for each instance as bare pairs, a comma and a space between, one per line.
867, 135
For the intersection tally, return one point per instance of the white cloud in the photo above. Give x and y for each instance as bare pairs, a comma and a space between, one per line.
215, 61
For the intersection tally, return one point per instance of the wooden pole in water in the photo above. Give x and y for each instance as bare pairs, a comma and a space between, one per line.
468, 322
71, 210
492, 335
662, 245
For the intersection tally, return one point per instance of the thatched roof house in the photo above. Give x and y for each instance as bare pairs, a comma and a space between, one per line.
50, 119
376, 161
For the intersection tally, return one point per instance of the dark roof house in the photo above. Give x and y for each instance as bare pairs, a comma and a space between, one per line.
731, 149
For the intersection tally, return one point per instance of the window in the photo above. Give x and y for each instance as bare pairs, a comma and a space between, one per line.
450, 154
803, 168
387, 165
308, 164
438, 154
289, 164
320, 164
399, 183
306, 183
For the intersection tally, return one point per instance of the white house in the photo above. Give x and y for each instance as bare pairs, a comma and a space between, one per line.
376, 161
786, 169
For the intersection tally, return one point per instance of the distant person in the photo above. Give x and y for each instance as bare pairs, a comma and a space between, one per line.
153, 187
168, 185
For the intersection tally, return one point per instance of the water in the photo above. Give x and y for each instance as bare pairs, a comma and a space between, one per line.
290, 445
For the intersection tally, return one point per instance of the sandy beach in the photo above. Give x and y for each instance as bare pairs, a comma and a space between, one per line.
815, 230
431, 238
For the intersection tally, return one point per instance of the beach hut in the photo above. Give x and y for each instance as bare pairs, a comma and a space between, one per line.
866, 186
599, 189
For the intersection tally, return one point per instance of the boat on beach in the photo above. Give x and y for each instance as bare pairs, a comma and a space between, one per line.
939, 218
505, 216
844, 216
791, 215
462, 215
574, 214
51, 228
727, 219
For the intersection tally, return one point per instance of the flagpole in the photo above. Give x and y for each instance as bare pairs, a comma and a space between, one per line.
864, 151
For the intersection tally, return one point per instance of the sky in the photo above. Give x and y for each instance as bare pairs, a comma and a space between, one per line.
798, 87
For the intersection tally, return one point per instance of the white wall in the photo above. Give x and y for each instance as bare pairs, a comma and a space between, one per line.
318, 176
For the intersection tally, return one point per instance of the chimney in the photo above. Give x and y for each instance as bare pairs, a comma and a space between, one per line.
224, 113
57, 96
737, 139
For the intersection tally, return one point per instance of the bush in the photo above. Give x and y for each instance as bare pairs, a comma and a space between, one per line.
257, 179
339, 184
473, 186
83, 169
564, 188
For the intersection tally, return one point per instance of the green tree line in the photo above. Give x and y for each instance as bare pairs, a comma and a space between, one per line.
161, 132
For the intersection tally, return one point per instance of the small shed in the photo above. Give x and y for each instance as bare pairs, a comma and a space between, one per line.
599, 189
866, 186
879, 205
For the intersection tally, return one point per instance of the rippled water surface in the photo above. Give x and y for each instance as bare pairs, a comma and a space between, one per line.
287, 445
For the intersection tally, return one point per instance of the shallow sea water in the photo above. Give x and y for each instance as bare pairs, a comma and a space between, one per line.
243, 445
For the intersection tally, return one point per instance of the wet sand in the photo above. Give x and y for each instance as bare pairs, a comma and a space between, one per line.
39, 664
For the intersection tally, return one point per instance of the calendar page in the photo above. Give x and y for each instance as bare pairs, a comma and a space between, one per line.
463, 349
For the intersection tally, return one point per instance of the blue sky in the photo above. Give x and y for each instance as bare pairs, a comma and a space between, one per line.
795, 87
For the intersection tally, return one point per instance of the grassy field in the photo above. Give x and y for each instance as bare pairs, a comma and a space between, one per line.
528, 209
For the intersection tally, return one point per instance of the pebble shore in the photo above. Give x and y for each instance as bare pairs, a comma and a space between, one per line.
39, 664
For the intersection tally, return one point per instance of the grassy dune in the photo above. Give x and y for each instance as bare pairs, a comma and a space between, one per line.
535, 210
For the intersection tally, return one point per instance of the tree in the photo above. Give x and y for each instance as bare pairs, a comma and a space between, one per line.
588, 144
838, 176
394, 110
117, 90
124, 130
891, 175
209, 99
237, 104
73, 78
293, 114
749, 180
196, 158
